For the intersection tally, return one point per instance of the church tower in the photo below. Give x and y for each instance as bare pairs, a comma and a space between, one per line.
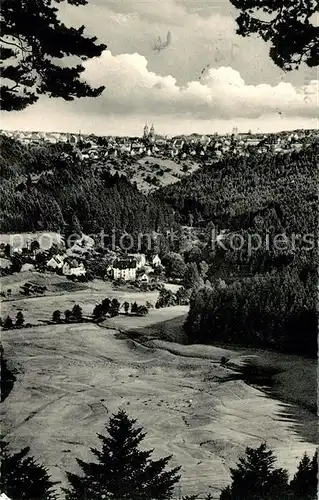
145, 133
152, 131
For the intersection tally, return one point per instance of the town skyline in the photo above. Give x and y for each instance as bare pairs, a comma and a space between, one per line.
139, 133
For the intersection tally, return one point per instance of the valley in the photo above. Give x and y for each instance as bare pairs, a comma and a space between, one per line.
71, 378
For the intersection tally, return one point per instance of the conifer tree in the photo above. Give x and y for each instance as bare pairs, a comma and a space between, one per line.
114, 307
77, 314
192, 277
288, 28
106, 303
305, 483
35, 44
97, 312
56, 316
8, 323
256, 477
24, 479
67, 315
126, 307
122, 470
134, 308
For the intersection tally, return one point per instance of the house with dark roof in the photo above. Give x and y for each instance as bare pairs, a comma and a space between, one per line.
124, 269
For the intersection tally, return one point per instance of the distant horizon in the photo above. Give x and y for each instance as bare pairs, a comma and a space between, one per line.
80, 132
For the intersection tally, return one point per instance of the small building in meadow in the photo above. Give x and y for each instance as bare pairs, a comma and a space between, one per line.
56, 262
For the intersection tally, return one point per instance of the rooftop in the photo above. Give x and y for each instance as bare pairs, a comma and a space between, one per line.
125, 264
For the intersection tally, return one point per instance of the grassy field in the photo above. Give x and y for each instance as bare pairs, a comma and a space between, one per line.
158, 322
71, 377
166, 171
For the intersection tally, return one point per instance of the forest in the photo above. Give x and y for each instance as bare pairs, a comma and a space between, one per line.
267, 297
276, 191
65, 188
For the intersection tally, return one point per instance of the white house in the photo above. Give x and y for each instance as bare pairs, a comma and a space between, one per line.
124, 269
156, 261
56, 262
144, 278
73, 268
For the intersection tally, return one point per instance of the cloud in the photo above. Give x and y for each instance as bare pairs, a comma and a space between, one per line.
207, 79
221, 93
202, 33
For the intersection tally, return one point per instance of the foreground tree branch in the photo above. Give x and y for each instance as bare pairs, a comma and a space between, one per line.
286, 25
33, 45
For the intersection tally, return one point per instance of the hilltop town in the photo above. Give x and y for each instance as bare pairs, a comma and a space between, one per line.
99, 147
153, 161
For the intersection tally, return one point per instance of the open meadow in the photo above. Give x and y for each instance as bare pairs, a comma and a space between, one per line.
70, 378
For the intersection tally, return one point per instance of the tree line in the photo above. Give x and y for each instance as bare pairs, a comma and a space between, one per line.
267, 296
273, 310
111, 307
122, 469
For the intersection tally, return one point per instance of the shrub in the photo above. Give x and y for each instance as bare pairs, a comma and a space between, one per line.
19, 319
56, 316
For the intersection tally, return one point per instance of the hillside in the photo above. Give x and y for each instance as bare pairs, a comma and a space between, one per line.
150, 173
69, 190
17, 160
277, 189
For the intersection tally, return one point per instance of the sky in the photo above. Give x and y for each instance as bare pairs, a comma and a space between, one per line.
205, 78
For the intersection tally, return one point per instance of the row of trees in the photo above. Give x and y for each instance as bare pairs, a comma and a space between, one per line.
112, 308
123, 470
73, 315
8, 324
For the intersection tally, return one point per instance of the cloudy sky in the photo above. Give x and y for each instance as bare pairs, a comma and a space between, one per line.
206, 79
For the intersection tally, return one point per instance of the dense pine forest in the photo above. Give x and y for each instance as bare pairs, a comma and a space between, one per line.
279, 190
65, 188
268, 294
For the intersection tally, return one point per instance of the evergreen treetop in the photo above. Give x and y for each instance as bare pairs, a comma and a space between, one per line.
123, 471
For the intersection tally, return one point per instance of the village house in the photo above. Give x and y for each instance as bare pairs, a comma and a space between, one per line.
124, 269
155, 261
56, 262
73, 268
144, 278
